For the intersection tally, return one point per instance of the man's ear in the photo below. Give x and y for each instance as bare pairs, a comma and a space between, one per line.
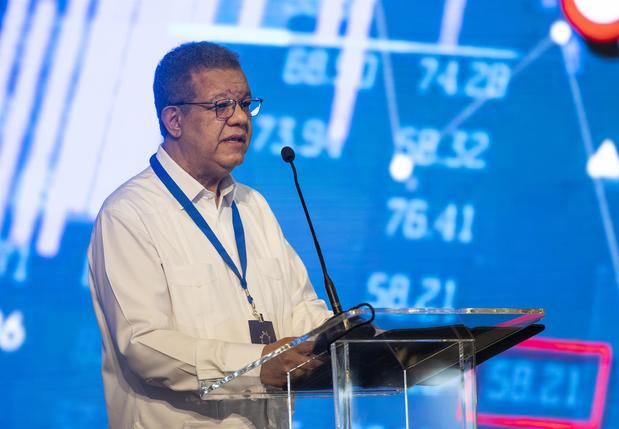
171, 117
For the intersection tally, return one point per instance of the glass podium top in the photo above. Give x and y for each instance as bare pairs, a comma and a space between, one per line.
482, 328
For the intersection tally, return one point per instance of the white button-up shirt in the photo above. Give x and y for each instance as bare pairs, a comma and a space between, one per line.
171, 312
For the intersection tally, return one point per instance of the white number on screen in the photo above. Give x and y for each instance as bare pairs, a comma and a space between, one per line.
12, 332
414, 219
315, 67
399, 291
459, 149
549, 384
308, 138
477, 79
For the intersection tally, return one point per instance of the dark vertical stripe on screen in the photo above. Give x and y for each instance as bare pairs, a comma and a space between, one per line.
40, 92
4, 109
15, 67
66, 109
135, 14
3, 4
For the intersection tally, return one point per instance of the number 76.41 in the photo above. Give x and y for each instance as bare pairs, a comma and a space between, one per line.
415, 219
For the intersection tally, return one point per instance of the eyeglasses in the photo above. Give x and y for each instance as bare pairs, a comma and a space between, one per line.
225, 107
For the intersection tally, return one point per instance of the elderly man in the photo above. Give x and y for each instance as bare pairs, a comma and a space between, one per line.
189, 271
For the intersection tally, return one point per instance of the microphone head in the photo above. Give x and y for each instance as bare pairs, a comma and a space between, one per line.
288, 154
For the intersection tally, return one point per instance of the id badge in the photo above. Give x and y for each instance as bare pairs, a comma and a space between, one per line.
261, 332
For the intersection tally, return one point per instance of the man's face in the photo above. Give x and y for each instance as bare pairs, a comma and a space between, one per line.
211, 147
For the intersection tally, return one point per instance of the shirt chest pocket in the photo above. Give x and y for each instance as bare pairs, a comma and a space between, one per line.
269, 268
273, 297
191, 275
191, 294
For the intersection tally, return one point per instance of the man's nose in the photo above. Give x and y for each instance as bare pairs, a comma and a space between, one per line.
239, 116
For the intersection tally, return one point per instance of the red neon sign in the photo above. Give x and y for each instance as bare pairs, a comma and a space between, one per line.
588, 24
603, 353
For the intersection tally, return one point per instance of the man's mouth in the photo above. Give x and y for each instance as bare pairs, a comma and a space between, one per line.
236, 138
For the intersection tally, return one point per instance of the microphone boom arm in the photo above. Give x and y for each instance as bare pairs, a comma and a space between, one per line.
330, 288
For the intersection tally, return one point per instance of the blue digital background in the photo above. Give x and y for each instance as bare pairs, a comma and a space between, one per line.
473, 164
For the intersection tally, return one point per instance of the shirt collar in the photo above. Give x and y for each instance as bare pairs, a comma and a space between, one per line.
190, 186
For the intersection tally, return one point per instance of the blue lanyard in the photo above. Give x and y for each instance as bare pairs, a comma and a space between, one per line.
192, 211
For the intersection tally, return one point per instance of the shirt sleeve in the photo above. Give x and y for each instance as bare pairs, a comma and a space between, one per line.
133, 306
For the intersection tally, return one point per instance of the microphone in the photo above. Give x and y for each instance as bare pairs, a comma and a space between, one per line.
288, 156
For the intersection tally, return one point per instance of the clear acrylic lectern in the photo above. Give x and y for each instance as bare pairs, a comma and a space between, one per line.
413, 367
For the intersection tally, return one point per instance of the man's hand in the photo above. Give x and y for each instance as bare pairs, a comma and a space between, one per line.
274, 372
